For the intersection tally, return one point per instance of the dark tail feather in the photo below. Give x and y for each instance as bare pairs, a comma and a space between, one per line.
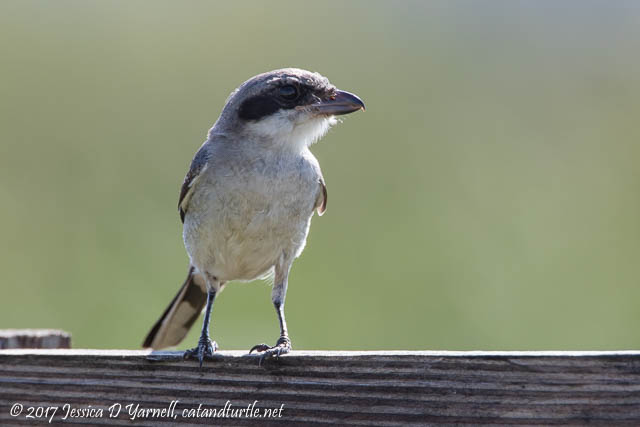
177, 319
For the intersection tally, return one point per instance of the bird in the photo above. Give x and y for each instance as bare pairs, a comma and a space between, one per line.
247, 200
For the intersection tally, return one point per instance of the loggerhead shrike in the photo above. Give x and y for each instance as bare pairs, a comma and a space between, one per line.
248, 198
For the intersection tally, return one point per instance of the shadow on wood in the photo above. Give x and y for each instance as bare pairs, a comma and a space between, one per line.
344, 388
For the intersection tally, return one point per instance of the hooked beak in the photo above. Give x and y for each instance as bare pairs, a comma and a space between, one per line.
341, 102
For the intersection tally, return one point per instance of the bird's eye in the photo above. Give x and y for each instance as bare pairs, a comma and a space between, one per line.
289, 92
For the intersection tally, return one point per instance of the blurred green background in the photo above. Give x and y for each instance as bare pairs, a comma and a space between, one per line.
489, 197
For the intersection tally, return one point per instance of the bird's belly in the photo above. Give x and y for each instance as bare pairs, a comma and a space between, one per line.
241, 235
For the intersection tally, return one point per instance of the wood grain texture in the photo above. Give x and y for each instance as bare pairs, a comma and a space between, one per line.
343, 388
34, 338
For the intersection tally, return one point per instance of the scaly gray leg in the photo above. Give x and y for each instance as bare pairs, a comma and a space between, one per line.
278, 295
205, 347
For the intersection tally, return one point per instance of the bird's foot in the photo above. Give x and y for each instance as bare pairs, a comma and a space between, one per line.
205, 349
283, 346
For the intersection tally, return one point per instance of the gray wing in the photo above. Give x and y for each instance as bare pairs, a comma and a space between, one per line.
321, 202
198, 165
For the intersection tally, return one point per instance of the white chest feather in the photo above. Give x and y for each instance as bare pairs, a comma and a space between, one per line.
247, 213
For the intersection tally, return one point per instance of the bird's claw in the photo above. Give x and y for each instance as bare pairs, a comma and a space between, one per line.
283, 346
205, 349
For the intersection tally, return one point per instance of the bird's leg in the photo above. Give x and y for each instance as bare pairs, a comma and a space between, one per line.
283, 345
205, 347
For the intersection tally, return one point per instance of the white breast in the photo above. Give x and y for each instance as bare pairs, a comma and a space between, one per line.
246, 214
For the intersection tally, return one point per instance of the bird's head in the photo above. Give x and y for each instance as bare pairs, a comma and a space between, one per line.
289, 107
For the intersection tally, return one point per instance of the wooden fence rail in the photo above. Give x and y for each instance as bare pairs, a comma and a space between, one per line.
397, 388
34, 338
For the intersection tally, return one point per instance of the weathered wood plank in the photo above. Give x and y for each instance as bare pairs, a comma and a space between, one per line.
34, 338
344, 388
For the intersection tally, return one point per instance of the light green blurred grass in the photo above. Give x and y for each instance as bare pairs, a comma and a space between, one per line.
489, 197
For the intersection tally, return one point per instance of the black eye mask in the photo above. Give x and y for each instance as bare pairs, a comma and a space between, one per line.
259, 106
283, 97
